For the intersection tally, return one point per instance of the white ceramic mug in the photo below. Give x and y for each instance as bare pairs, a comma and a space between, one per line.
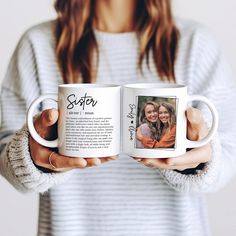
135, 97
89, 120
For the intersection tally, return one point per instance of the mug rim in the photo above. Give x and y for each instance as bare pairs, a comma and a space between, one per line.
88, 85
154, 86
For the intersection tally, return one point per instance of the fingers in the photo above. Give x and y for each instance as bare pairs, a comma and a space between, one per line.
106, 159
197, 128
98, 161
93, 162
189, 160
197, 155
43, 123
46, 158
57, 162
47, 118
194, 117
163, 164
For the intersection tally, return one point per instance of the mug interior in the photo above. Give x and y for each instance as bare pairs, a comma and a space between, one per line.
88, 85
153, 85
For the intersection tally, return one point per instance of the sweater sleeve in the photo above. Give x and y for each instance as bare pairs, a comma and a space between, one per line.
19, 88
211, 77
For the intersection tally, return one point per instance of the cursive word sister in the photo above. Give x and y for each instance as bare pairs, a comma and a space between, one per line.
80, 101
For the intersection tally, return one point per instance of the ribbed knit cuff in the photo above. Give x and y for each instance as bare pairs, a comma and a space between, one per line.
19, 169
203, 180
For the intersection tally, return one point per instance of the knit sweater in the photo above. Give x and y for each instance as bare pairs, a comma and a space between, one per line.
121, 197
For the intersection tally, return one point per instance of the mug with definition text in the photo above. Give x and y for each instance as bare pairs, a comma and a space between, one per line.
88, 123
154, 123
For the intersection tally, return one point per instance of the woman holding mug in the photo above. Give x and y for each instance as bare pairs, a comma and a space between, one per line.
117, 41
166, 129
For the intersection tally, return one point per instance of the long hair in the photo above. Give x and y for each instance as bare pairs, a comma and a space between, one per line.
172, 117
152, 126
76, 44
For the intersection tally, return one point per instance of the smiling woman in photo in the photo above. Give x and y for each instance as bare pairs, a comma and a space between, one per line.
149, 119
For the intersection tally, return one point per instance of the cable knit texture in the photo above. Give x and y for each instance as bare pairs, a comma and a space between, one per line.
21, 171
121, 197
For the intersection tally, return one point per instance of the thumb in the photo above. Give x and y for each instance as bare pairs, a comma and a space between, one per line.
196, 126
44, 122
194, 117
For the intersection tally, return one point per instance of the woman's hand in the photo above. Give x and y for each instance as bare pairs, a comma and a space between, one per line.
196, 130
139, 135
44, 157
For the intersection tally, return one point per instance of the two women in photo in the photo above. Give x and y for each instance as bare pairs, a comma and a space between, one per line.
158, 126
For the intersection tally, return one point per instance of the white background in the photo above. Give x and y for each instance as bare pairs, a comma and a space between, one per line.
18, 213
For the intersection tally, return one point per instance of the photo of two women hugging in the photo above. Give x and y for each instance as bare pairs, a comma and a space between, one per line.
156, 125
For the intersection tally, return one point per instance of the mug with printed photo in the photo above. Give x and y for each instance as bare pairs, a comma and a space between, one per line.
154, 121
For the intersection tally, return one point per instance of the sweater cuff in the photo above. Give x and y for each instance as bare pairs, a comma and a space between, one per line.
19, 169
203, 180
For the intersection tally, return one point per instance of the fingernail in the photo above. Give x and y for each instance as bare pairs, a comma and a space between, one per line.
97, 162
138, 159
149, 165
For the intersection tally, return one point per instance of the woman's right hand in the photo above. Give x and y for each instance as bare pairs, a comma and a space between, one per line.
43, 156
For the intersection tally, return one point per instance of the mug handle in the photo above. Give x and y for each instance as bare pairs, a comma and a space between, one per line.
30, 122
215, 121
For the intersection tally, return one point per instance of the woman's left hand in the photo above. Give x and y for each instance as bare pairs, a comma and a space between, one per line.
196, 130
